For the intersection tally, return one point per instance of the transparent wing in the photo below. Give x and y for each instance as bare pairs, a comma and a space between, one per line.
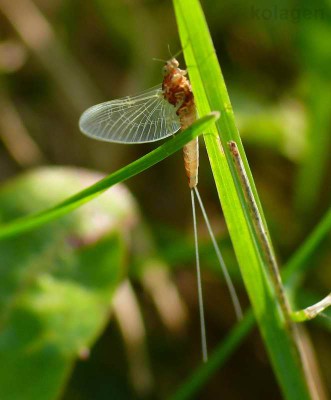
144, 118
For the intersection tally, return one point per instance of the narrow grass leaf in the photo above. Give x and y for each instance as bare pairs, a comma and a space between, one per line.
210, 92
171, 146
297, 263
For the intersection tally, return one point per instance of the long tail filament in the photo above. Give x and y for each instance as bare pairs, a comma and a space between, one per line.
201, 310
227, 277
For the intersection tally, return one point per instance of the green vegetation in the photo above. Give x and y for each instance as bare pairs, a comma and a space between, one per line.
97, 289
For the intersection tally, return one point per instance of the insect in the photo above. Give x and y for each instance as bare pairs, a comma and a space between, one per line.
153, 115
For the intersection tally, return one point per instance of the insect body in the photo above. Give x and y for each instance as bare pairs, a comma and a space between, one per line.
148, 117
151, 116
177, 91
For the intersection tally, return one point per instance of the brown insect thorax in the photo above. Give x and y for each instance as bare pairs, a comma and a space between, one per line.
178, 92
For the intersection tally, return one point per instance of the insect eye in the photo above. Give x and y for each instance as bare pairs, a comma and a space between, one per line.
165, 70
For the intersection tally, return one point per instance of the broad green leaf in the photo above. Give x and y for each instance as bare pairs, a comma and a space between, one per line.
58, 281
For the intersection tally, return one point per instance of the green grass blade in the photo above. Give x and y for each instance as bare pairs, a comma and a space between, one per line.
191, 387
204, 372
298, 263
171, 146
210, 93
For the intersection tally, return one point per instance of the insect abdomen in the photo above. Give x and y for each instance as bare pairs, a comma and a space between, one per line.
187, 115
191, 162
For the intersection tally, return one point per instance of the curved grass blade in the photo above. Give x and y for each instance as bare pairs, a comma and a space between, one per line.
171, 146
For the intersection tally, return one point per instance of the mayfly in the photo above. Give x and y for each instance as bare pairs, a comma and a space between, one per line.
153, 115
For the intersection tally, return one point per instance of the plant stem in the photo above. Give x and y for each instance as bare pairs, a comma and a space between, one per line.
274, 273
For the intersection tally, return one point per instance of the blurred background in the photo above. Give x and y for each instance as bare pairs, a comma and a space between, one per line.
58, 57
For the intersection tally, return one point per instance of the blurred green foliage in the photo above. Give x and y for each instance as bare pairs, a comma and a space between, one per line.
73, 54
57, 282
